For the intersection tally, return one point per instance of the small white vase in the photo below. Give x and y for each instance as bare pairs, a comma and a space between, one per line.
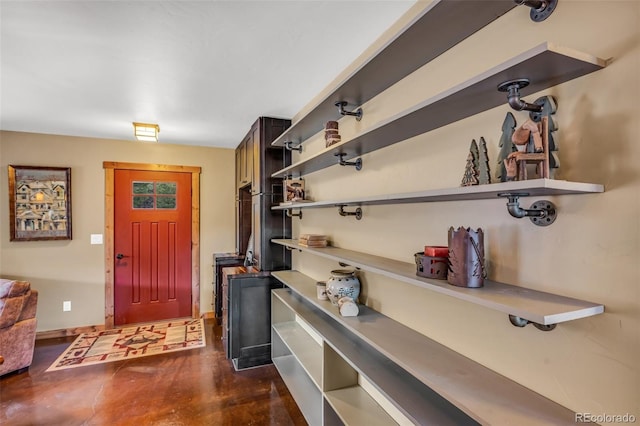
343, 282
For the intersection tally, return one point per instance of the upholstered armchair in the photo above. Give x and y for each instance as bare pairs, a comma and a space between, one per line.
17, 325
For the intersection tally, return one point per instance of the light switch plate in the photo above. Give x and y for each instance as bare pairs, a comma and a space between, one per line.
96, 238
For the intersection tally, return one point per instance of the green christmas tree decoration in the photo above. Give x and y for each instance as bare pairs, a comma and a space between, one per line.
506, 146
484, 173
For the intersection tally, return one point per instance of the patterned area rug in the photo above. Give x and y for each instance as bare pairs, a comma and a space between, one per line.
131, 342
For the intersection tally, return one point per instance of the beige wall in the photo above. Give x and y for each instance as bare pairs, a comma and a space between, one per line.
591, 252
75, 270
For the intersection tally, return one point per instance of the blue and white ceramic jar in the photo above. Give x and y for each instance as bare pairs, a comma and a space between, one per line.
343, 282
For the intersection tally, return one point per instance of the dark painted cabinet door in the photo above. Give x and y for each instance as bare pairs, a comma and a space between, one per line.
249, 303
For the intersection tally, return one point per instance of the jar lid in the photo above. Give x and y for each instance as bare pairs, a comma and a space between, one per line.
343, 272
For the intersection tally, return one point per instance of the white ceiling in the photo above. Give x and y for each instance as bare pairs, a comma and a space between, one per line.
203, 70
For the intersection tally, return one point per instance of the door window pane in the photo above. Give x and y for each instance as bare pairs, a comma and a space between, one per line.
158, 195
166, 202
166, 187
142, 201
143, 187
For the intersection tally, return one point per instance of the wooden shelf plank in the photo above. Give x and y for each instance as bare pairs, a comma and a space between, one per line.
537, 306
354, 406
533, 187
482, 394
427, 36
545, 65
308, 352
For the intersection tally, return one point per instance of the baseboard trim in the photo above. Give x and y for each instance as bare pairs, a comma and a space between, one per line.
76, 331
68, 332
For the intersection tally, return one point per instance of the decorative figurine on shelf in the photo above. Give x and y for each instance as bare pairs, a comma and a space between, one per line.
348, 307
533, 142
484, 173
533, 148
331, 135
294, 188
466, 257
470, 174
549, 108
506, 147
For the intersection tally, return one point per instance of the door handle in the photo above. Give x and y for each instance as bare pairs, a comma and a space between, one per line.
120, 256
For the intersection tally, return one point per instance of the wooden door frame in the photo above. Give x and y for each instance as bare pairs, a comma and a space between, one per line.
109, 209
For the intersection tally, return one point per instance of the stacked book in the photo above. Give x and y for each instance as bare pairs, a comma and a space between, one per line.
312, 240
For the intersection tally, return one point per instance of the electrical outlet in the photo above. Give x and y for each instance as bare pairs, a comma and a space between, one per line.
66, 306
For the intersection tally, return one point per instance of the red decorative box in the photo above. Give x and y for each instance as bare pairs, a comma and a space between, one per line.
436, 251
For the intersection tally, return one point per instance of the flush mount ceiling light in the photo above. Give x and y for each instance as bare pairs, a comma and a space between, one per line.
146, 132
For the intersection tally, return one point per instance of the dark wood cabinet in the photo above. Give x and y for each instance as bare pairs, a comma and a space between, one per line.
268, 159
244, 152
220, 261
246, 320
254, 201
246, 296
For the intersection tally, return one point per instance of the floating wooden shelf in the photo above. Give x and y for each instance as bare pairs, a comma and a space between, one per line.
536, 306
534, 188
546, 65
424, 38
413, 371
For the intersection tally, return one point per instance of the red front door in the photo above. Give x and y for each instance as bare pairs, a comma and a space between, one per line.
152, 243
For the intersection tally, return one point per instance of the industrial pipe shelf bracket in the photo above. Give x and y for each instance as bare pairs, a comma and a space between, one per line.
521, 322
357, 113
291, 214
540, 9
512, 87
357, 213
357, 164
541, 213
288, 146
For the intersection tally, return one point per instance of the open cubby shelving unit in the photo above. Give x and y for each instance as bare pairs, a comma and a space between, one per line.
424, 381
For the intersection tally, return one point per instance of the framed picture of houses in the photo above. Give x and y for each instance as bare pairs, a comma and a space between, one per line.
39, 203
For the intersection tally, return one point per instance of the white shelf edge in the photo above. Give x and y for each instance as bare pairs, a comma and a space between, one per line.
301, 387
355, 406
360, 85
534, 188
482, 89
303, 347
510, 299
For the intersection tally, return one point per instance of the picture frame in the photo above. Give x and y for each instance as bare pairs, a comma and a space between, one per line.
39, 203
